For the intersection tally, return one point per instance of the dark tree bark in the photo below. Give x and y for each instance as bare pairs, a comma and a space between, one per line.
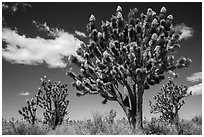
133, 109
176, 118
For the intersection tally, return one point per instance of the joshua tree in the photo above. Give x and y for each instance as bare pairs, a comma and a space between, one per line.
169, 102
134, 53
29, 112
53, 99
111, 116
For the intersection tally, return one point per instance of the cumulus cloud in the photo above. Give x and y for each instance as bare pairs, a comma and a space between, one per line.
81, 34
184, 31
13, 7
195, 77
25, 50
196, 89
24, 93
10, 8
53, 32
5, 6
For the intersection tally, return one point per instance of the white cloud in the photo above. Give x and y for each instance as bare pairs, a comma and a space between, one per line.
43, 27
185, 31
4, 6
24, 93
196, 89
195, 77
81, 34
14, 7
25, 50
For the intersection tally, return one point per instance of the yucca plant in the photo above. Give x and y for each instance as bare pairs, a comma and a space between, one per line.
53, 99
134, 53
169, 101
29, 112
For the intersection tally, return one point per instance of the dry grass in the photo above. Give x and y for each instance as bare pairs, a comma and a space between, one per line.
102, 125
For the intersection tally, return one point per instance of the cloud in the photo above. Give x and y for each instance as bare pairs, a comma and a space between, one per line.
196, 89
33, 51
53, 32
81, 34
5, 6
24, 93
195, 77
12, 7
184, 31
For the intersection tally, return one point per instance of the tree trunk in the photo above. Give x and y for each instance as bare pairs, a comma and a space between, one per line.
138, 111
176, 119
135, 121
139, 114
134, 114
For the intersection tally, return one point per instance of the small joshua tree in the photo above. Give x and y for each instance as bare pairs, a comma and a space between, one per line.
134, 53
169, 102
29, 112
111, 116
53, 99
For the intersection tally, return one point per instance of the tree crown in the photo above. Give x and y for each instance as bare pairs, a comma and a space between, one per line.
139, 50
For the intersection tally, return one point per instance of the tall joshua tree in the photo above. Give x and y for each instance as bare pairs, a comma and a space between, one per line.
53, 99
134, 53
169, 102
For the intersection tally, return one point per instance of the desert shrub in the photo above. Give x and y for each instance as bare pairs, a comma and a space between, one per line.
190, 128
121, 127
23, 128
157, 127
106, 125
97, 126
197, 120
82, 128
88, 127
63, 129
111, 116
98, 122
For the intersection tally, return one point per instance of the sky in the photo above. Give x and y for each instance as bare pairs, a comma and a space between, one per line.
37, 38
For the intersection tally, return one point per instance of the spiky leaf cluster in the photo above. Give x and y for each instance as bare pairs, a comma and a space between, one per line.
53, 99
169, 101
29, 112
140, 49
